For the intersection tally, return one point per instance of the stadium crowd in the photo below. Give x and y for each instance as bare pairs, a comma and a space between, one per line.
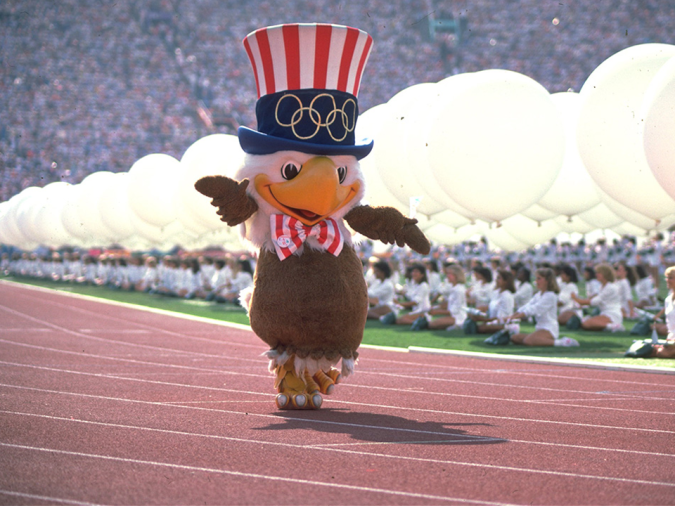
90, 86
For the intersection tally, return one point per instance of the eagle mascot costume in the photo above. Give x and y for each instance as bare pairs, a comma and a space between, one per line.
299, 186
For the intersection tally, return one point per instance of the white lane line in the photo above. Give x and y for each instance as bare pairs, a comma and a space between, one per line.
475, 439
216, 371
556, 474
122, 343
613, 367
45, 498
25, 329
299, 420
264, 477
490, 384
146, 309
219, 371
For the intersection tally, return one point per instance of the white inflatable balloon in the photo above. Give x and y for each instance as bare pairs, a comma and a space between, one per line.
420, 119
627, 214
217, 154
601, 217
444, 234
497, 146
505, 241
48, 223
114, 206
529, 231
573, 224
538, 213
658, 127
572, 191
390, 150
608, 134
13, 229
25, 214
450, 218
153, 234
377, 193
93, 187
153, 180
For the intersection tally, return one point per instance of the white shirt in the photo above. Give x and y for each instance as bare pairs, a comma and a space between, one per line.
670, 316
419, 294
609, 302
240, 281
565, 296
544, 307
524, 292
501, 305
383, 290
456, 297
593, 286
644, 289
625, 293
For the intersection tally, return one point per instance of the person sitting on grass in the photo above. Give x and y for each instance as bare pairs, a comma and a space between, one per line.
645, 291
478, 294
381, 291
501, 304
416, 292
524, 289
607, 300
592, 285
625, 281
544, 308
452, 313
567, 308
654, 350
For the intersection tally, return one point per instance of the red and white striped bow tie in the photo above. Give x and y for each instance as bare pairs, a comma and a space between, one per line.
289, 233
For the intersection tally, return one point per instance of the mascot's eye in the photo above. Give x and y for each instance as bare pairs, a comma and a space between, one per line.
289, 171
342, 174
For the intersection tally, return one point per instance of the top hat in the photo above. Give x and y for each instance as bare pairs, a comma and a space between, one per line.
308, 78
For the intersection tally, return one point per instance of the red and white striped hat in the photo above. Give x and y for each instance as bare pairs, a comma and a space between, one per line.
307, 78
321, 56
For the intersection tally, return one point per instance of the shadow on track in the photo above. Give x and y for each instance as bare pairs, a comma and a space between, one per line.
379, 428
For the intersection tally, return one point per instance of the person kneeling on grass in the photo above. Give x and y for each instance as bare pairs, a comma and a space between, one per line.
667, 350
544, 308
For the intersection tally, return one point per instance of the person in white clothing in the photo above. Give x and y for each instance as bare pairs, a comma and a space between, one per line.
242, 278
381, 290
667, 329
544, 308
625, 280
592, 284
480, 291
501, 304
454, 294
567, 308
417, 299
645, 291
524, 288
607, 300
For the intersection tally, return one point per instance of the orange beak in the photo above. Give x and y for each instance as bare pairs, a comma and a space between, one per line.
314, 194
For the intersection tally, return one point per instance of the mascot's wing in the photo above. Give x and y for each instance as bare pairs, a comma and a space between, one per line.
234, 205
388, 225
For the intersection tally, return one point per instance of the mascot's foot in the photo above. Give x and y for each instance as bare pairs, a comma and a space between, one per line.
305, 392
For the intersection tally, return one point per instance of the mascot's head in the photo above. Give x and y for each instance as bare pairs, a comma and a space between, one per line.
303, 158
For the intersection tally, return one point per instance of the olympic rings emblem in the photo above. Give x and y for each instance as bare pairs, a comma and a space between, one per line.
348, 123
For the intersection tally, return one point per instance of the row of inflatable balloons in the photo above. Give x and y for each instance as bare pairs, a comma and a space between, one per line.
490, 153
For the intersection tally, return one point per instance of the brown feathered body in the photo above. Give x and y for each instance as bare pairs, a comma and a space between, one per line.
312, 305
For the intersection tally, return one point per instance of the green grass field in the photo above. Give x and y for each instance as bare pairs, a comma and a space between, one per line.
603, 347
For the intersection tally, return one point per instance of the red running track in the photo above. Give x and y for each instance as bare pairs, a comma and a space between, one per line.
108, 404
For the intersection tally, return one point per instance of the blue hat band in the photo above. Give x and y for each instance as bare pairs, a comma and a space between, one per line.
315, 116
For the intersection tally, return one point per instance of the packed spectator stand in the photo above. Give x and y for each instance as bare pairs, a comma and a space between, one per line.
90, 86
